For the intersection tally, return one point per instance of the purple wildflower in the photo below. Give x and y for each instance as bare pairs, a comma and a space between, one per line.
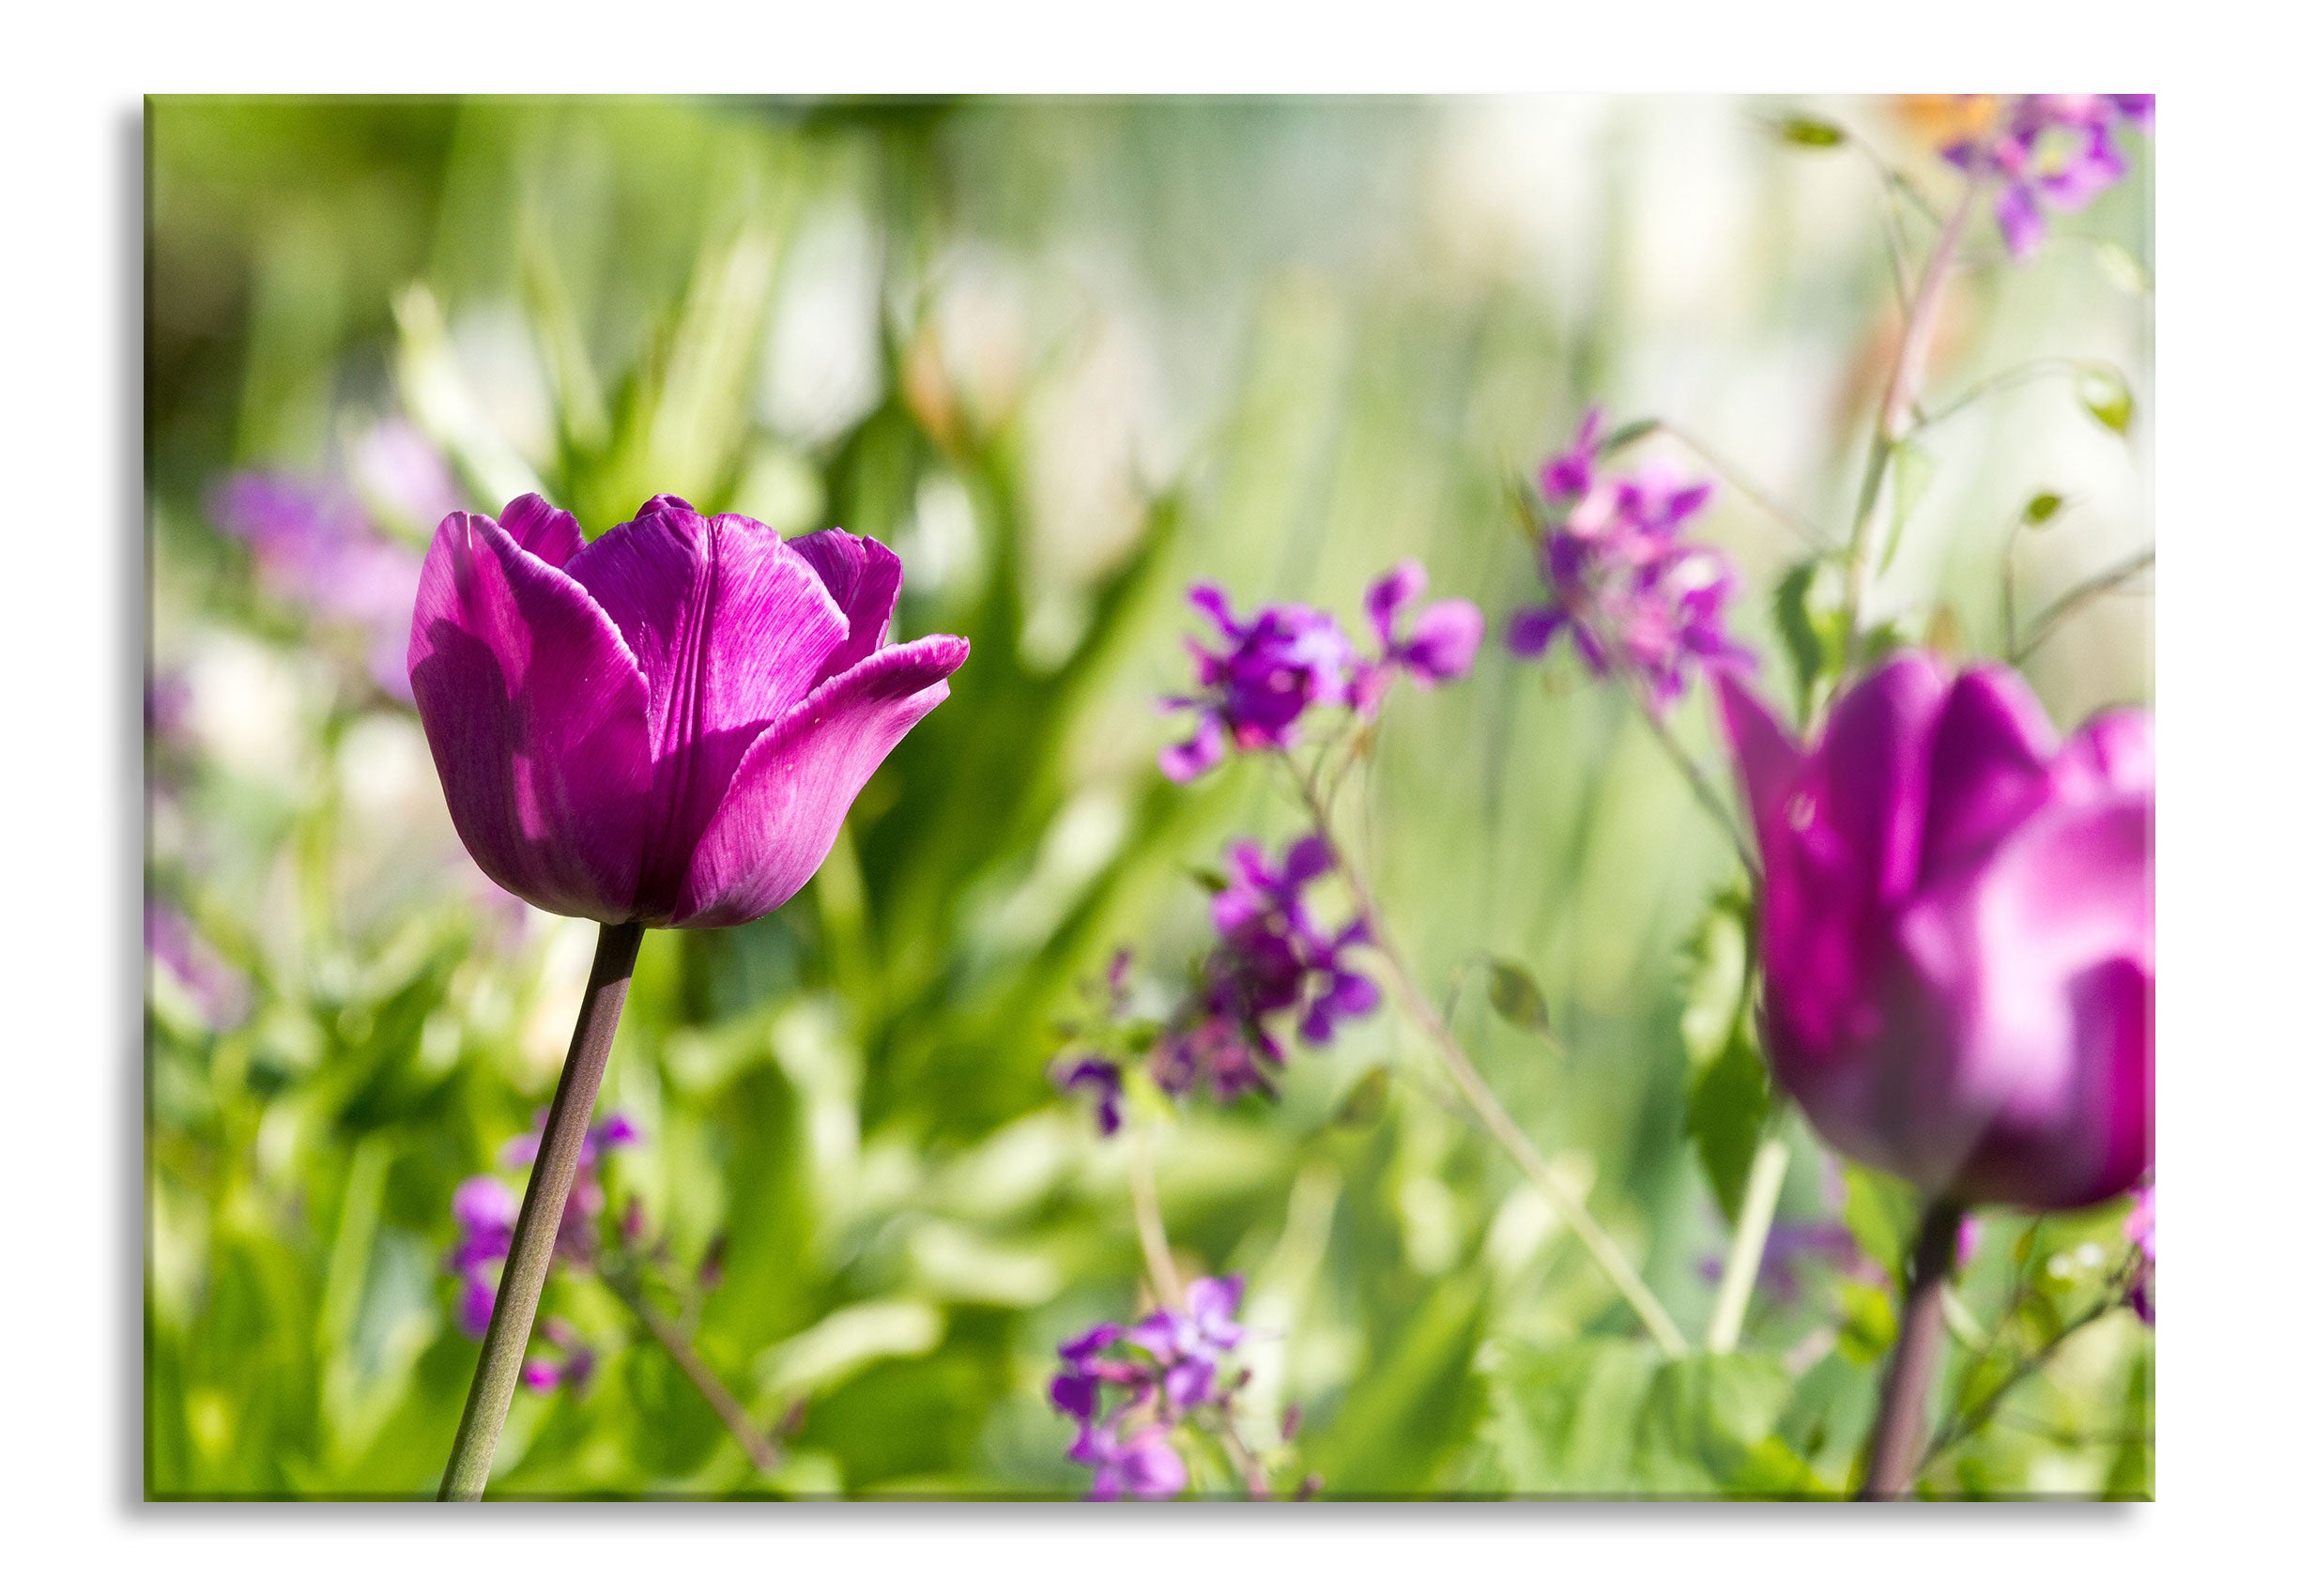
219, 990
572, 1367
2051, 150
1158, 1375
1272, 960
316, 546
1099, 1076
487, 1210
1789, 1249
1438, 648
1261, 676
1636, 596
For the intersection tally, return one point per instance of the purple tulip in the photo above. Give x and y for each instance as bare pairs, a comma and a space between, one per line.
666, 725
1957, 931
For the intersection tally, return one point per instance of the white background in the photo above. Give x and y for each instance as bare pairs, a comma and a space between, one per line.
72, 629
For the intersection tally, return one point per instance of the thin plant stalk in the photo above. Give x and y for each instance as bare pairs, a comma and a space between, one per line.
1495, 1119
1157, 1257
536, 1235
1760, 1197
1899, 408
1909, 1372
753, 1440
2060, 610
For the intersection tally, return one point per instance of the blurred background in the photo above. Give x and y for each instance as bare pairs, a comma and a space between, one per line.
1067, 358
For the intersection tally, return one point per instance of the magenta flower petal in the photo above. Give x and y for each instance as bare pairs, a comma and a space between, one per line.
1871, 764
1444, 641
730, 630
536, 713
864, 578
1990, 751
1390, 593
550, 534
785, 801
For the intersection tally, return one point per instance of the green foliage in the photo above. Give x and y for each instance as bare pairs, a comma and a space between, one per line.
1604, 1416
1728, 1091
1809, 132
1516, 995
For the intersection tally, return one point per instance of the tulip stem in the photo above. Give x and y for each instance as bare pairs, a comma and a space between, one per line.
1899, 408
1165, 1279
1496, 1120
1908, 1371
1760, 1197
536, 1235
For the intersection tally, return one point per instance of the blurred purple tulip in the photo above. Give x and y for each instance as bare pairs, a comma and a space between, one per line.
666, 725
1957, 931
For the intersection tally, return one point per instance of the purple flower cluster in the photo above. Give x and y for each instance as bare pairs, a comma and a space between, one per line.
1636, 597
1262, 675
1129, 1387
217, 988
316, 548
2051, 150
1272, 961
487, 1210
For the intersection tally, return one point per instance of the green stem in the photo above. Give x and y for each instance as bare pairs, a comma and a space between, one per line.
699, 1374
1894, 417
1909, 1372
1760, 1196
1157, 1257
1495, 1119
537, 1233
2084, 593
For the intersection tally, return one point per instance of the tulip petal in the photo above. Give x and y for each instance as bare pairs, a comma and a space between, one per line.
536, 713
792, 791
2019, 950
1768, 757
1992, 744
550, 534
730, 630
2113, 754
1873, 767
864, 577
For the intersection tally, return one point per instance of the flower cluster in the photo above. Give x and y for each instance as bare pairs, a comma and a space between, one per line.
1272, 961
1262, 675
1130, 1387
1636, 597
316, 545
487, 1210
2049, 149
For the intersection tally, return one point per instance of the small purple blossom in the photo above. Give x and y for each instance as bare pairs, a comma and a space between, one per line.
314, 547
1099, 1077
1157, 1375
571, 1366
1272, 960
1261, 676
1790, 1248
219, 990
1634, 595
487, 1210
2056, 150
1436, 648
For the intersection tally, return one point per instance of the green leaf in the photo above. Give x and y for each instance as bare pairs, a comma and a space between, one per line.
1364, 1103
1815, 643
2108, 397
1881, 1212
1912, 473
1629, 433
1728, 1092
1417, 1401
2041, 508
1516, 996
1809, 132
1213, 881
1870, 1323
2124, 269
1608, 1416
